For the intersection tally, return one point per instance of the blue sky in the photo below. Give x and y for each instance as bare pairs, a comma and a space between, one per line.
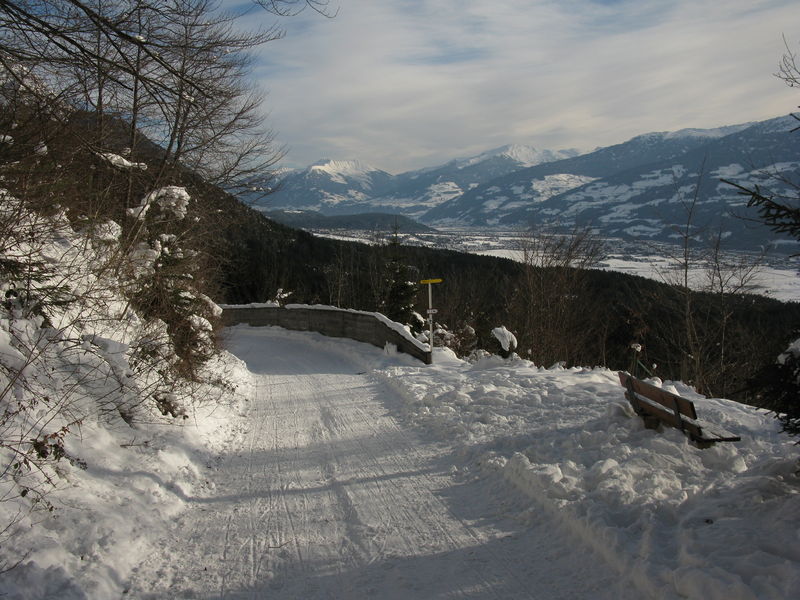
403, 84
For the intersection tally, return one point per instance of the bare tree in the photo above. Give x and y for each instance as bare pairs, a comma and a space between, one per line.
710, 282
217, 130
176, 70
726, 277
683, 261
549, 306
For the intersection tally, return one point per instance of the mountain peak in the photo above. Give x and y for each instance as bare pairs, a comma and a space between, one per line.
341, 171
525, 156
342, 166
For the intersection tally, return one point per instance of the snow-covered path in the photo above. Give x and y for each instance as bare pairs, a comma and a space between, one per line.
326, 494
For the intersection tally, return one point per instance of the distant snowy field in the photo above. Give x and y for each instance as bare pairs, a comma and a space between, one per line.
777, 278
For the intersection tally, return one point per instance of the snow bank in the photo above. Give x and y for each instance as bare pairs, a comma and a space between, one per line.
251, 305
508, 340
110, 510
675, 520
74, 527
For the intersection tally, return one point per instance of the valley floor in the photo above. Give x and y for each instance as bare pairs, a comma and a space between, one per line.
776, 277
326, 493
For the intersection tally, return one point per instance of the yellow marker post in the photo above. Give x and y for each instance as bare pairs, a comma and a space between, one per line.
431, 311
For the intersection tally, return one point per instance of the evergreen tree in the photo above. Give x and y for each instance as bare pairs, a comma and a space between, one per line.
777, 386
401, 292
401, 287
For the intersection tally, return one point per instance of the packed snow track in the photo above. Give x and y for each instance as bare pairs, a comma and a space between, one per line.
327, 493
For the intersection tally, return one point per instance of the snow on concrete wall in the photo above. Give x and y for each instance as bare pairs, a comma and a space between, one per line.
362, 326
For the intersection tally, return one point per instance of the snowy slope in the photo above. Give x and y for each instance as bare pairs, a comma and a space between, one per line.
346, 171
650, 201
523, 156
92, 471
328, 185
641, 150
420, 191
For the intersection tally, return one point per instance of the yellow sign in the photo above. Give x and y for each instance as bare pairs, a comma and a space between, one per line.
431, 281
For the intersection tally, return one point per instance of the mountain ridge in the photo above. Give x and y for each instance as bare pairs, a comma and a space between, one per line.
646, 198
614, 187
333, 186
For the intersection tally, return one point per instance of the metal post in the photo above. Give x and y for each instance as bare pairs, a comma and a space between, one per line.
431, 310
430, 315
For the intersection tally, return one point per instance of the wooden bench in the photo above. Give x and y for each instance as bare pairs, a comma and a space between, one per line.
656, 405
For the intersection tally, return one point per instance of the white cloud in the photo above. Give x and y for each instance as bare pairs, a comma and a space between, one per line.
404, 84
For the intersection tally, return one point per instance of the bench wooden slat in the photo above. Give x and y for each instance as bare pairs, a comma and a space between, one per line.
651, 402
712, 431
686, 424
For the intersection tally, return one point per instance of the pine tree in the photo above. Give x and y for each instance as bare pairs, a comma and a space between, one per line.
401, 288
779, 388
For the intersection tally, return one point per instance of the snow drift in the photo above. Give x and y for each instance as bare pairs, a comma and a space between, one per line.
676, 520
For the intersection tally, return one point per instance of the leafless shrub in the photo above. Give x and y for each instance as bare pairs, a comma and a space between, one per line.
549, 309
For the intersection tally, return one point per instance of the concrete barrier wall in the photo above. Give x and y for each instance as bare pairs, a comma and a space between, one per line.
370, 328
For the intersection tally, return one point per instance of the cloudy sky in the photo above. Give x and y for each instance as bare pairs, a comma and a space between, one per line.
403, 84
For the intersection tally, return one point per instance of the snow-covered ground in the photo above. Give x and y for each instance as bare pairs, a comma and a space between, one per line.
340, 471
671, 519
96, 431
109, 513
331, 493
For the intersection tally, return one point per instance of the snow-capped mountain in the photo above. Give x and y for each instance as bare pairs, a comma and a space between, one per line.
339, 187
346, 172
425, 189
641, 188
636, 189
327, 184
496, 200
520, 155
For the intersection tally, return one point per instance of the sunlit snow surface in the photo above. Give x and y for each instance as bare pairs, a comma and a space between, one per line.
676, 521
330, 491
345, 472
365, 474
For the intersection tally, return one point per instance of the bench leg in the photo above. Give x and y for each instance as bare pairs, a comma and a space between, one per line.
702, 444
651, 422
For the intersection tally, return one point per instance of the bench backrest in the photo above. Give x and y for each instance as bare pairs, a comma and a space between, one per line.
670, 402
660, 395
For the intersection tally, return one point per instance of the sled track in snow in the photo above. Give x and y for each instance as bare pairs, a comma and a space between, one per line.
327, 495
